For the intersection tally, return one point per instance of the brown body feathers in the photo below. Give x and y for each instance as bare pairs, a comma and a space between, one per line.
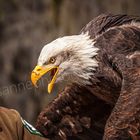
108, 109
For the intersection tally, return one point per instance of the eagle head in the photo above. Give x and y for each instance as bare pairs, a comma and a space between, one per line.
70, 58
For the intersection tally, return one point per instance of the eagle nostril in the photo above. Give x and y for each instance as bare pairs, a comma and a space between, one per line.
38, 69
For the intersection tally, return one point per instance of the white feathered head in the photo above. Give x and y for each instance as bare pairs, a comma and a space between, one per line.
68, 58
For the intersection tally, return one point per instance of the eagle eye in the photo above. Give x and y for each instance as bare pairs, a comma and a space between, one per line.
52, 60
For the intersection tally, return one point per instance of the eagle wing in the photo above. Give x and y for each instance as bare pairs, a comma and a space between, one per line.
122, 47
74, 115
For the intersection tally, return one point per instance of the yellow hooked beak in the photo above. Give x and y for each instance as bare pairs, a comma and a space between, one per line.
39, 71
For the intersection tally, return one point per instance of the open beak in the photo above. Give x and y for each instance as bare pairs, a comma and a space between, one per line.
39, 71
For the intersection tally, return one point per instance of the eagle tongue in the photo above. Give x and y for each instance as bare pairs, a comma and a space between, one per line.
53, 72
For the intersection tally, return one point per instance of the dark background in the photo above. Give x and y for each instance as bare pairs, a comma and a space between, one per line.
25, 27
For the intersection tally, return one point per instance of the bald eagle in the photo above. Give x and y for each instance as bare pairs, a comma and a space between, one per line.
102, 68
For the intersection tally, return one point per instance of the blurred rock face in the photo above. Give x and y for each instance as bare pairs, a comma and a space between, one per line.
26, 26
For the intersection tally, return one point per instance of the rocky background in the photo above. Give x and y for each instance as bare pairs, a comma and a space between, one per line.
27, 25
